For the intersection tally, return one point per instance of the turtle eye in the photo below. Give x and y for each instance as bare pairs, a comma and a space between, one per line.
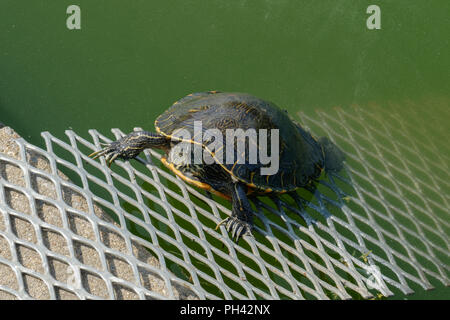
285, 110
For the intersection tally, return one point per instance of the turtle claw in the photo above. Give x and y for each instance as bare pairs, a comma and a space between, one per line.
94, 155
110, 157
236, 227
237, 232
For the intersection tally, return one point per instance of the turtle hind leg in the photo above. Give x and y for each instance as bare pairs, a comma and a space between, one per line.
241, 220
129, 146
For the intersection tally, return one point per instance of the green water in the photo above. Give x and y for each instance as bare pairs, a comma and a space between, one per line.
131, 60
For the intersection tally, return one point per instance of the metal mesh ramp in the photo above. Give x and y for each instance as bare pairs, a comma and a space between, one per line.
380, 226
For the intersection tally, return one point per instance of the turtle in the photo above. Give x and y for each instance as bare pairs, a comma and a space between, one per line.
302, 157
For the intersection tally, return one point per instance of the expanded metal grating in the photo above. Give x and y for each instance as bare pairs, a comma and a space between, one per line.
378, 227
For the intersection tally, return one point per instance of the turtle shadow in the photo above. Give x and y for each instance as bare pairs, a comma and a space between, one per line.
306, 207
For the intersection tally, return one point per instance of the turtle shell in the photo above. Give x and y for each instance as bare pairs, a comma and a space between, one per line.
301, 157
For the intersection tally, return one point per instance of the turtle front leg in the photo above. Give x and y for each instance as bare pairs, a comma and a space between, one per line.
241, 220
129, 146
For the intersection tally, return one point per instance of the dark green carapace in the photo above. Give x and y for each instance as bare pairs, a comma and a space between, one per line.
301, 156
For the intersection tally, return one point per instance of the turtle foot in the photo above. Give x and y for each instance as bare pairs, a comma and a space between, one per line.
236, 227
122, 149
